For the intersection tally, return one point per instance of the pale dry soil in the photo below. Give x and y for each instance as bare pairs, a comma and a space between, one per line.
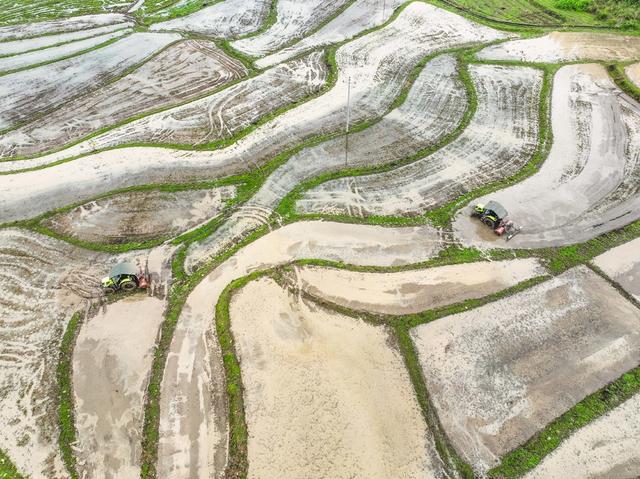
433, 108
325, 395
141, 215
501, 137
622, 264
558, 47
377, 63
36, 91
293, 20
500, 373
185, 70
42, 283
225, 19
193, 424
111, 363
607, 448
73, 24
633, 72
590, 182
358, 17
413, 291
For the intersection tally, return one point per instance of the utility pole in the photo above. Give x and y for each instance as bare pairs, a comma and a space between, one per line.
384, 9
346, 137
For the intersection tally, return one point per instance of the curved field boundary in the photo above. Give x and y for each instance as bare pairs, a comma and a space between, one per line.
498, 141
188, 69
598, 141
432, 108
293, 22
26, 96
7, 469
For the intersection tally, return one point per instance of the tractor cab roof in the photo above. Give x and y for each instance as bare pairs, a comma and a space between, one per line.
123, 268
497, 209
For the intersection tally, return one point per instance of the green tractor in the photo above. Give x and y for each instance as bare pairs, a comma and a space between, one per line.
125, 277
494, 215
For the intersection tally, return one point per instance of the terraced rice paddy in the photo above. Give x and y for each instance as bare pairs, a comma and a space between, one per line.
296, 178
597, 132
499, 373
501, 138
312, 400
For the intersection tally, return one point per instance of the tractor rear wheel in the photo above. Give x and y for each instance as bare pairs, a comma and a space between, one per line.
128, 285
489, 222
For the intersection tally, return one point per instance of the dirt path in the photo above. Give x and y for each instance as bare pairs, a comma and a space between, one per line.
622, 264
433, 108
193, 428
111, 362
589, 183
414, 291
565, 47
293, 20
141, 215
184, 70
358, 17
500, 373
633, 72
325, 395
224, 19
500, 139
605, 448
30, 92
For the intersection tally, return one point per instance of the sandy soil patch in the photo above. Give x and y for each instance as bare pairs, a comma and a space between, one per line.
25, 60
606, 448
214, 117
500, 373
414, 291
633, 72
193, 428
622, 264
293, 20
141, 215
30, 44
589, 184
15, 32
358, 17
566, 47
37, 90
325, 395
184, 70
111, 364
226, 19
501, 138
433, 108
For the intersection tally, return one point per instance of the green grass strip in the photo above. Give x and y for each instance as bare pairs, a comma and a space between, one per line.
620, 78
7, 469
64, 374
526, 457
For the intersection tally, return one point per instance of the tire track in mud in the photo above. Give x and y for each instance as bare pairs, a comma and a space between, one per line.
184, 70
590, 183
378, 64
193, 429
434, 107
500, 139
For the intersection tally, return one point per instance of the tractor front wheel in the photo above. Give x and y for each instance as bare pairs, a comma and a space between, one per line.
109, 289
